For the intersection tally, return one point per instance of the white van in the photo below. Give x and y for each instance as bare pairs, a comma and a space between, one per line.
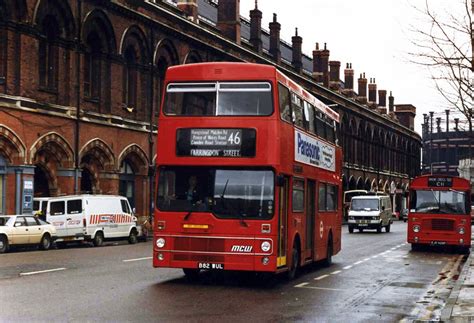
370, 212
91, 218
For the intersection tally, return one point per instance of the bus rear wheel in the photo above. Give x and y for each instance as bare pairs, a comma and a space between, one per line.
329, 253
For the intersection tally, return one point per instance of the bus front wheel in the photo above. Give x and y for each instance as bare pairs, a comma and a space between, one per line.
295, 259
191, 274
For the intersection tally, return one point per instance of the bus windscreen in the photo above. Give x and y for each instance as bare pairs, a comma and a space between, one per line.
443, 202
227, 193
219, 99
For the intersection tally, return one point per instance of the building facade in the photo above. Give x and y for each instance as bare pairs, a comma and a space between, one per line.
81, 82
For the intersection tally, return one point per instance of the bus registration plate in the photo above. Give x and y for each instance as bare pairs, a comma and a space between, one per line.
438, 243
206, 265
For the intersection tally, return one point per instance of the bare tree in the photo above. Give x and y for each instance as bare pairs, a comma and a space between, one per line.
446, 48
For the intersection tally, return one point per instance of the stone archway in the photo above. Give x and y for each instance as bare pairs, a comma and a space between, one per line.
97, 159
50, 154
352, 183
133, 177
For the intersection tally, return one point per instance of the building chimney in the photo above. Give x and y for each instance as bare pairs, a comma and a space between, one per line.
438, 124
256, 28
362, 91
391, 105
348, 80
334, 77
447, 120
383, 98
382, 101
275, 28
317, 68
372, 93
297, 57
325, 65
228, 19
190, 9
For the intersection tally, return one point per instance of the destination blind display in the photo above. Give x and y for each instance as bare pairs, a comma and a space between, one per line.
440, 182
216, 142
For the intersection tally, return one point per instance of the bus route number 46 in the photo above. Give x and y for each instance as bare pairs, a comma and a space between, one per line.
234, 138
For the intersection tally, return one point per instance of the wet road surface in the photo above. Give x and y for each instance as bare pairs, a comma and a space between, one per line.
374, 277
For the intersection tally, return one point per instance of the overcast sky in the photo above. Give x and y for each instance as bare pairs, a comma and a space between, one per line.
374, 35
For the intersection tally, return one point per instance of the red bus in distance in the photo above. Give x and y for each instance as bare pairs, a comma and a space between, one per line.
248, 172
439, 212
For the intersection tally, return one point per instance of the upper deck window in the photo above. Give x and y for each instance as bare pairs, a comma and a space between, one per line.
219, 99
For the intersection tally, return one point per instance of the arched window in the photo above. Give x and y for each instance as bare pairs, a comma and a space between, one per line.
49, 54
92, 67
130, 73
127, 183
3, 194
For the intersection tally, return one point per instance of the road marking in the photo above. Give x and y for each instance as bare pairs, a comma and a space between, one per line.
335, 272
322, 288
41, 271
359, 262
321, 277
373, 257
137, 259
301, 285
347, 267
366, 259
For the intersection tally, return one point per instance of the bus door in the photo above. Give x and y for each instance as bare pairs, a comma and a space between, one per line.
310, 214
282, 222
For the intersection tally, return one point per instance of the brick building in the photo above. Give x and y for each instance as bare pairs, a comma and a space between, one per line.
80, 84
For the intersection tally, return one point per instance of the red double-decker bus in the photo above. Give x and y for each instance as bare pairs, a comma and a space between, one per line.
439, 212
249, 172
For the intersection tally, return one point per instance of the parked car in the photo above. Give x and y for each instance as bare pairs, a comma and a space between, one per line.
25, 230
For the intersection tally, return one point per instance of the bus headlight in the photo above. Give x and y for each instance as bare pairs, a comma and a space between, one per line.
160, 242
265, 246
461, 230
416, 228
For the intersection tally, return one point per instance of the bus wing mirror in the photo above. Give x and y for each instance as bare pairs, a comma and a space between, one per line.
280, 180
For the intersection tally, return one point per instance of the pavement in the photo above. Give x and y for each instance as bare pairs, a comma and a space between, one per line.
460, 304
